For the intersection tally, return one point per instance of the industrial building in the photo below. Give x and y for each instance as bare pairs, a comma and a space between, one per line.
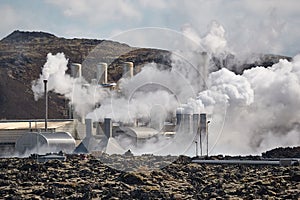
44, 142
12, 130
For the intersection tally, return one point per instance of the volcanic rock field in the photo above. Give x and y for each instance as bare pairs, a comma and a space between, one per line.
144, 177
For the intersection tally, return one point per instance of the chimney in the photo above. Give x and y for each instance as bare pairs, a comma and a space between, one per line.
76, 70
203, 131
102, 73
108, 127
184, 120
46, 105
127, 69
203, 123
187, 123
88, 128
196, 119
178, 116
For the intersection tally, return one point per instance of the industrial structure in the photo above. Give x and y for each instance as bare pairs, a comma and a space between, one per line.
59, 135
45, 142
12, 130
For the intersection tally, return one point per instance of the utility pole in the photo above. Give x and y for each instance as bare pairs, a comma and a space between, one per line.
46, 105
196, 144
207, 138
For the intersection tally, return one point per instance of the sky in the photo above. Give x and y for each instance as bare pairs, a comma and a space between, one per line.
268, 26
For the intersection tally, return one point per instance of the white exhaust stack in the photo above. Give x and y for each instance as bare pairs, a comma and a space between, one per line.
184, 120
76, 70
127, 69
196, 119
102, 73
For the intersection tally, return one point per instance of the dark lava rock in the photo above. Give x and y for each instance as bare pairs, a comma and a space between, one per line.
131, 178
288, 152
91, 179
295, 176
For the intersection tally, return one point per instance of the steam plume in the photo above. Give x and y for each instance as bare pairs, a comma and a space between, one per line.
82, 96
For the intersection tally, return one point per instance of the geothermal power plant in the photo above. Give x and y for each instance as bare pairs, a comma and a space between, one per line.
183, 128
82, 135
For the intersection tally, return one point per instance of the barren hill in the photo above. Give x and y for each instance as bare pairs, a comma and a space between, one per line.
22, 56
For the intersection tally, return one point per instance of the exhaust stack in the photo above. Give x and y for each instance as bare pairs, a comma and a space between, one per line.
203, 131
108, 127
76, 70
127, 69
88, 128
102, 73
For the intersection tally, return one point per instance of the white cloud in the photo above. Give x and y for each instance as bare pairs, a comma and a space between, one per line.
98, 12
157, 4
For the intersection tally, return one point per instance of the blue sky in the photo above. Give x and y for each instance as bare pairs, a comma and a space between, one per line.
269, 26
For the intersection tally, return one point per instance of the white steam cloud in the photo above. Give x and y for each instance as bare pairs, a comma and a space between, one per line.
261, 107
81, 95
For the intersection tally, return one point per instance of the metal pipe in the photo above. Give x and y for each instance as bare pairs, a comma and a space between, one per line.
46, 105
241, 162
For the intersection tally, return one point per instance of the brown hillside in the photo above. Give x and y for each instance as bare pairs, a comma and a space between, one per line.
22, 56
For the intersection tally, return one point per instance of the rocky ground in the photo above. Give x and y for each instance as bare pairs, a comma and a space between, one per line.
153, 177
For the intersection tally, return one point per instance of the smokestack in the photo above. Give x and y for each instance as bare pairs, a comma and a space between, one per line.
178, 116
76, 70
127, 69
203, 131
184, 119
102, 72
88, 128
108, 127
187, 123
46, 105
196, 119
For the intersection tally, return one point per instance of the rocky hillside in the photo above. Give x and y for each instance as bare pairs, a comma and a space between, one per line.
23, 54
